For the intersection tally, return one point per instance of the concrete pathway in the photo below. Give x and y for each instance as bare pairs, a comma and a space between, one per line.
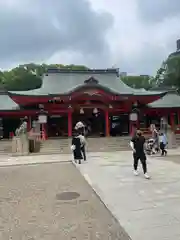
36, 159
147, 209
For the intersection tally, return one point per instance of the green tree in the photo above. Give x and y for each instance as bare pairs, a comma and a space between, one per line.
29, 76
142, 81
169, 73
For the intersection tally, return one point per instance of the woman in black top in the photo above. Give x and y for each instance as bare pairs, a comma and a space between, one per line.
76, 148
137, 145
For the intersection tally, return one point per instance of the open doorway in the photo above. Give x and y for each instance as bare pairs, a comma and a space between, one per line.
119, 125
57, 126
9, 126
94, 121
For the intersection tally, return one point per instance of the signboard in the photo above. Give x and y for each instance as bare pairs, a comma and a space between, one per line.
133, 117
42, 119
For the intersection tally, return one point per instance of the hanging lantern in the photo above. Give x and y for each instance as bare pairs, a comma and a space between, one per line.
81, 111
95, 111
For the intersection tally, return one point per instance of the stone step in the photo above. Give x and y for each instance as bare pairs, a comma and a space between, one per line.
93, 145
51, 146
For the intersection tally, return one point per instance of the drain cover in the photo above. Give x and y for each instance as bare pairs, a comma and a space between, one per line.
65, 196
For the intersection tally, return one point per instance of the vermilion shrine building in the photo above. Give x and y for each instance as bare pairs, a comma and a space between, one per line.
96, 96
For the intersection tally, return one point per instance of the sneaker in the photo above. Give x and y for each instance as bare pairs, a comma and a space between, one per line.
146, 176
136, 173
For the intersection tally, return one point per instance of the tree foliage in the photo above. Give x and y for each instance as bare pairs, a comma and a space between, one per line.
29, 76
169, 73
145, 81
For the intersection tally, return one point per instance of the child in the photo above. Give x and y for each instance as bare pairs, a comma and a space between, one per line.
163, 143
76, 148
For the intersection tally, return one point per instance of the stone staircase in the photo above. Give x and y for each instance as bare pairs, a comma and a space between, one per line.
57, 146
5, 147
177, 140
53, 146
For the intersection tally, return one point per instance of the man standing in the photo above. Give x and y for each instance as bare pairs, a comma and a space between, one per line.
137, 145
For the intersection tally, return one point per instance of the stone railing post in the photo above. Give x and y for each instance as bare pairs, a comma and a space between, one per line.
171, 138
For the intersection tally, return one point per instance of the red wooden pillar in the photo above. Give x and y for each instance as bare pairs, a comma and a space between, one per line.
107, 123
44, 133
69, 124
172, 121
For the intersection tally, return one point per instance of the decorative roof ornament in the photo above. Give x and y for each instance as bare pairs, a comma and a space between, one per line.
91, 80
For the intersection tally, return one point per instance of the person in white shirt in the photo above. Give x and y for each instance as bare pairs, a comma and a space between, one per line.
163, 143
83, 145
79, 125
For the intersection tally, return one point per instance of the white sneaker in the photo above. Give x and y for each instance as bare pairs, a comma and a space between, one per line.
136, 173
146, 176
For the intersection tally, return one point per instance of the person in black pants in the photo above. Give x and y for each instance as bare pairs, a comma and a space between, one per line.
163, 143
137, 145
76, 148
83, 143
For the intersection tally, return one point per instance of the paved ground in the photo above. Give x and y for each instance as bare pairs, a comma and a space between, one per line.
31, 209
147, 209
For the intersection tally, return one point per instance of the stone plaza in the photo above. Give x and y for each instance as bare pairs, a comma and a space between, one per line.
32, 208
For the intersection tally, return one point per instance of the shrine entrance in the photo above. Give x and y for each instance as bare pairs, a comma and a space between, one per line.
119, 125
57, 126
93, 119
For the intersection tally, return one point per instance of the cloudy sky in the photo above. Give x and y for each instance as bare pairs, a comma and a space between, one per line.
134, 35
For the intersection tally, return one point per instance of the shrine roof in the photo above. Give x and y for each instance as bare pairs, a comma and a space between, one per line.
6, 103
65, 81
170, 100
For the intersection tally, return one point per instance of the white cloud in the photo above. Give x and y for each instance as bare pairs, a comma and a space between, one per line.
141, 36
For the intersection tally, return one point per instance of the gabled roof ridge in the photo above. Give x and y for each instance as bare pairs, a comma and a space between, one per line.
83, 71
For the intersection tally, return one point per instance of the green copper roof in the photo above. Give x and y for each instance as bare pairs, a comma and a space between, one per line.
64, 82
170, 100
7, 104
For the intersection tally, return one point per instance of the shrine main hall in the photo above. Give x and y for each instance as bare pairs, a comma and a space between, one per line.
98, 97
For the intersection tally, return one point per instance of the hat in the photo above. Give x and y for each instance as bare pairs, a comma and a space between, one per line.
139, 132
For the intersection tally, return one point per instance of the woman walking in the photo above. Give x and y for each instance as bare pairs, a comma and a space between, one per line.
76, 148
83, 145
137, 145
